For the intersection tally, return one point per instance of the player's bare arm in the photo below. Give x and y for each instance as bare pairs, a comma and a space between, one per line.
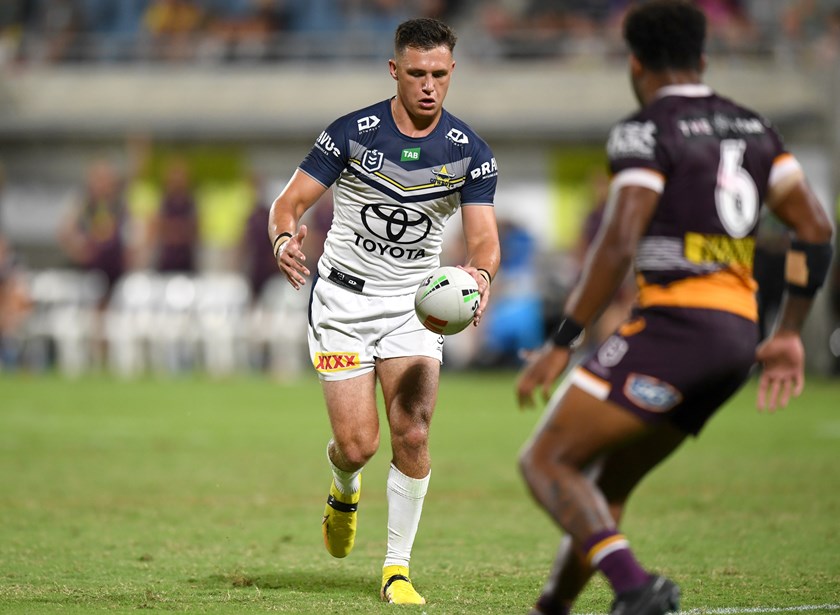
782, 355
286, 238
481, 236
605, 268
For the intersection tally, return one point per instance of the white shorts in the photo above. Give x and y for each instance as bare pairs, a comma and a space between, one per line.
348, 331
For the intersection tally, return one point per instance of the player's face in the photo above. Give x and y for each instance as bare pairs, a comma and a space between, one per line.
422, 80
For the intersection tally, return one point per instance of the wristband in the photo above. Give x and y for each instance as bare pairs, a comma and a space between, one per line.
277, 243
567, 334
806, 267
486, 275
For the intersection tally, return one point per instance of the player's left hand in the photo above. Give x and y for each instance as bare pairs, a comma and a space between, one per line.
542, 368
782, 357
290, 259
483, 291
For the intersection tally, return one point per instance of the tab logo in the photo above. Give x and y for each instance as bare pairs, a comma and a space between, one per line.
410, 153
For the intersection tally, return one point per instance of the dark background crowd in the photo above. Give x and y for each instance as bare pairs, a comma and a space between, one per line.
38, 31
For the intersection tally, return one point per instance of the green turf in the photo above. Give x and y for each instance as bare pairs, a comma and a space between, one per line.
197, 496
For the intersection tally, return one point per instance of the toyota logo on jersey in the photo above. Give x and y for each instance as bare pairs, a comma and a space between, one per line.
395, 223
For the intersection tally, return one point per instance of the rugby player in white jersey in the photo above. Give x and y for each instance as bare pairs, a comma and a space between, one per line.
400, 169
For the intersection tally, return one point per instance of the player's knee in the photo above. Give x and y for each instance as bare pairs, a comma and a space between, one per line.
414, 438
358, 451
527, 464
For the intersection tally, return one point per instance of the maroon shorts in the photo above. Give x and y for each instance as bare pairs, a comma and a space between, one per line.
676, 364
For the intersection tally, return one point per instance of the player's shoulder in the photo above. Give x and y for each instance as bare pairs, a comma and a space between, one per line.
460, 133
364, 120
750, 121
633, 136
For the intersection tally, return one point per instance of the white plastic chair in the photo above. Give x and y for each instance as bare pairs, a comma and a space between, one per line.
222, 304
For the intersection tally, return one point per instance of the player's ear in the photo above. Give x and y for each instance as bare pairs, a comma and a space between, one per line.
392, 68
636, 67
702, 64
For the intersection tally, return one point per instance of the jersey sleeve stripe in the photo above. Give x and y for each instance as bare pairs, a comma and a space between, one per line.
644, 178
784, 166
305, 172
589, 382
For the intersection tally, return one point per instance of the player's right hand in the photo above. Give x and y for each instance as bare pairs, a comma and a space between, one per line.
542, 369
290, 259
782, 358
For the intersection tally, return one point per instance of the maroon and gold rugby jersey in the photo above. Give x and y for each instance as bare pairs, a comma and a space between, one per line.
713, 162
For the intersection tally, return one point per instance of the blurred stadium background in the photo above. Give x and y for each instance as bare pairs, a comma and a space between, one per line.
157, 132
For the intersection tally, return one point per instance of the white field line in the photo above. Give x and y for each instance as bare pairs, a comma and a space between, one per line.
764, 609
760, 609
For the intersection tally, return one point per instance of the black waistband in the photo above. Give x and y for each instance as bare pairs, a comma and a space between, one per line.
345, 280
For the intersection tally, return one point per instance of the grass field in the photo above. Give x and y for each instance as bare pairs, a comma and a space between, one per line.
197, 496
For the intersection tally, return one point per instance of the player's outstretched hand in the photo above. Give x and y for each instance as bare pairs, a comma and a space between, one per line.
290, 259
483, 291
542, 368
782, 358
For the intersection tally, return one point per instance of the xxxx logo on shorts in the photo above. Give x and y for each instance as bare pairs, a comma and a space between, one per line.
336, 361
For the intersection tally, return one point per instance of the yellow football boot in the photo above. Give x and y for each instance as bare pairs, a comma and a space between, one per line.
397, 587
339, 524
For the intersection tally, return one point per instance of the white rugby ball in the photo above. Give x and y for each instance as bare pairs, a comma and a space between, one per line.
446, 301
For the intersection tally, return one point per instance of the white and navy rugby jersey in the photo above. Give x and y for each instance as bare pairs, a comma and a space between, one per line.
393, 195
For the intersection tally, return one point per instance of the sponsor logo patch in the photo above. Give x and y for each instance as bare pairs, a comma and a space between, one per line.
325, 144
396, 224
632, 140
410, 154
367, 123
705, 249
336, 361
456, 136
486, 169
651, 393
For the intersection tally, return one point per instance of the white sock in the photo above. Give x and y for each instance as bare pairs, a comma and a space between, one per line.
405, 503
346, 482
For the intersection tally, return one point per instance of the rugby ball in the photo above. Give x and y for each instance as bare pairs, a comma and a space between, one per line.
446, 301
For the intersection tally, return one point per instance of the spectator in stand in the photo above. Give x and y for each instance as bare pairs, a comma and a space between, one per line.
93, 234
115, 27
15, 305
175, 227
245, 28
55, 25
256, 258
730, 25
173, 26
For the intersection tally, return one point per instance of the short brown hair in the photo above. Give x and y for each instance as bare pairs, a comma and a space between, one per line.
423, 33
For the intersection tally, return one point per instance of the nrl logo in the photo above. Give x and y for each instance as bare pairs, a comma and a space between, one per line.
372, 160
